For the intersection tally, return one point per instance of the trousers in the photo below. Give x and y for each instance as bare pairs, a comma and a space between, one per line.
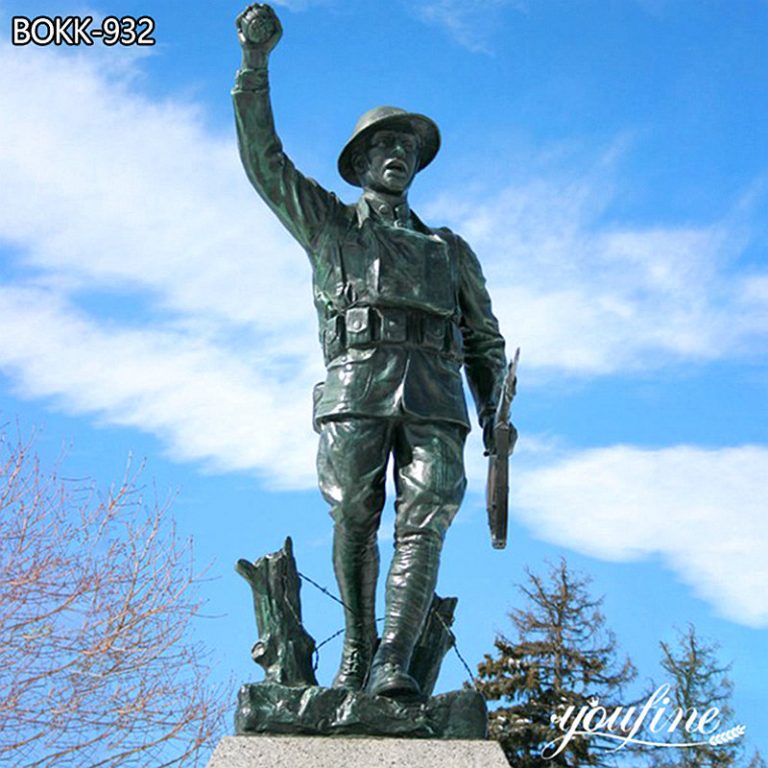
428, 474
429, 480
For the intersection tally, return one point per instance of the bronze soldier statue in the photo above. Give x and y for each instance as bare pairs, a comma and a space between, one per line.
401, 307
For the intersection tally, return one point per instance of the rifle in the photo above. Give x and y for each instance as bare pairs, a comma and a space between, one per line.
505, 437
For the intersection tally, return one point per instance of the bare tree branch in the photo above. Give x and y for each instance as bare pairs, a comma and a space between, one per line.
96, 598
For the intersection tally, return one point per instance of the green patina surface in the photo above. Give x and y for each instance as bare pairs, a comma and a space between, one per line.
402, 310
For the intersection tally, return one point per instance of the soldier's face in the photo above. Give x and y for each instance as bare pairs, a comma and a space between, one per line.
390, 161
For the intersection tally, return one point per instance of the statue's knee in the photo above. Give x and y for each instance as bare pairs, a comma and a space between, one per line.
361, 536
425, 521
428, 537
358, 515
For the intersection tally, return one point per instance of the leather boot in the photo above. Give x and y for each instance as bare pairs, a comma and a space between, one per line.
356, 564
410, 587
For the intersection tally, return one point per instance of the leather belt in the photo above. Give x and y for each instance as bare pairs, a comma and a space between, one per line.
360, 327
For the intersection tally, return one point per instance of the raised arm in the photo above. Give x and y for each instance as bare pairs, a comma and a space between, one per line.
300, 203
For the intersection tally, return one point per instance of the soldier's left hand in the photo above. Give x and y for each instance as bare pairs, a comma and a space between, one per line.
489, 437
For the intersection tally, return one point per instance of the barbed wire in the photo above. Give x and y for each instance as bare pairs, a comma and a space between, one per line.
328, 593
324, 590
455, 646
316, 653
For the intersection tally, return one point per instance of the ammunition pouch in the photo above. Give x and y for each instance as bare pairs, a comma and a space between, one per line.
365, 327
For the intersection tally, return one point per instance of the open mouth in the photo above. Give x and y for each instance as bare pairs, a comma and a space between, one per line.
398, 166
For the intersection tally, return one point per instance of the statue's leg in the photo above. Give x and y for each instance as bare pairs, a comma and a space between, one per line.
430, 482
351, 463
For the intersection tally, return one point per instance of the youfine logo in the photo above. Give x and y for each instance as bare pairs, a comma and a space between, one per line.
654, 724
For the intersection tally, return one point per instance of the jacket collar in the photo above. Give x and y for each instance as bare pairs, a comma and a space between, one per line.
374, 205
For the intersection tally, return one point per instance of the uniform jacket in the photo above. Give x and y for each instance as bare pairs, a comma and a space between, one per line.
400, 308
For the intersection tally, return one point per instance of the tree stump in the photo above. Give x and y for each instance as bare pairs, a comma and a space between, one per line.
435, 641
284, 648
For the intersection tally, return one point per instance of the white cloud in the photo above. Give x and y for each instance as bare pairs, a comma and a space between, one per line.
205, 334
469, 22
110, 190
702, 511
588, 298
110, 198
202, 401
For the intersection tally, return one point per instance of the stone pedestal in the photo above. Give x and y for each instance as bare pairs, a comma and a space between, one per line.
362, 752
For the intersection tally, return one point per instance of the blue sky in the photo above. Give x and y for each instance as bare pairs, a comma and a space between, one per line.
607, 161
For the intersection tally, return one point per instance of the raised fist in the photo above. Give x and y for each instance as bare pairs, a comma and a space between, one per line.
258, 28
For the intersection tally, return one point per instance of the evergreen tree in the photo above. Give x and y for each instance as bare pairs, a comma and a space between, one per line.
698, 681
562, 655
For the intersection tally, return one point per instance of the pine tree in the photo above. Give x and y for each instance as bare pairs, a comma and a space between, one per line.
698, 680
563, 655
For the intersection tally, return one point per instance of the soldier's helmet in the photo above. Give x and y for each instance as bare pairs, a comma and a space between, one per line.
380, 118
